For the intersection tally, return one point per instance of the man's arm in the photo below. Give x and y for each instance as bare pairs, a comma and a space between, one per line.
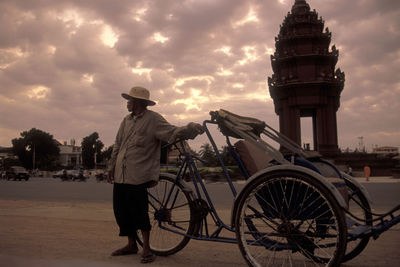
114, 153
169, 133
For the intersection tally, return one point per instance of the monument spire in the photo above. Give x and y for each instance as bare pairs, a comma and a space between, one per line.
305, 82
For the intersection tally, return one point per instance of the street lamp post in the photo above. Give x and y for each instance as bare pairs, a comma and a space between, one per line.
34, 157
95, 155
2, 164
32, 147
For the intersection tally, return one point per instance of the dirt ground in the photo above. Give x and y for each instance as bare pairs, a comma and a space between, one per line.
84, 234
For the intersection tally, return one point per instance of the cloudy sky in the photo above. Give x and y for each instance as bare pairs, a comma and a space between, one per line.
65, 63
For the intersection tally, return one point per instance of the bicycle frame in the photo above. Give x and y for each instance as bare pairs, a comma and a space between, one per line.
189, 166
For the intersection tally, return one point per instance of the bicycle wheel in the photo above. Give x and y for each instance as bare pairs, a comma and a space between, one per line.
170, 211
358, 206
286, 218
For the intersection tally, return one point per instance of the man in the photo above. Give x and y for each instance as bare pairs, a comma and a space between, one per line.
135, 165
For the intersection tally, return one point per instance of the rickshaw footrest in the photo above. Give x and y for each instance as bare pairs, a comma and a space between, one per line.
374, 231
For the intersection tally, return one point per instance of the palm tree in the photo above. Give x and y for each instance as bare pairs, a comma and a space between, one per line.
207, 154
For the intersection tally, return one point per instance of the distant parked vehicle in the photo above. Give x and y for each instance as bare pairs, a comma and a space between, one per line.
70, 175
37, 173
58, 174
17, 173
63, 175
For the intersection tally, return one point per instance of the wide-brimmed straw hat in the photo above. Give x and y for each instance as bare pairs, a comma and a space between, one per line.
139, 93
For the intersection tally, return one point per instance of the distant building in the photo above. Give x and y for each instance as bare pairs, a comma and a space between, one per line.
386, 150
70, 155
6, 152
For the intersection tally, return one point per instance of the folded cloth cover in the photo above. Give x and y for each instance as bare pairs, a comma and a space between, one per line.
243, 123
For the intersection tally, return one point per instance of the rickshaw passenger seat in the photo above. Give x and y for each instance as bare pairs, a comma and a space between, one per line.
253, 158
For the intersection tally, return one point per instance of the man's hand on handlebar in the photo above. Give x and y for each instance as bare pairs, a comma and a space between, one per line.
198, 128
193, 129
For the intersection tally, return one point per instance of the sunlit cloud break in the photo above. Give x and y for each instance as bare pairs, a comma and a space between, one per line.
73, 59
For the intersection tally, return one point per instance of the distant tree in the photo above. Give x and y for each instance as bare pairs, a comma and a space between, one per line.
36, 147
227, 157
91, 147
207, 154
106, 153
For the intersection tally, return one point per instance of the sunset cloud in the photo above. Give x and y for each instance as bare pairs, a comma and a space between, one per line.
65, 63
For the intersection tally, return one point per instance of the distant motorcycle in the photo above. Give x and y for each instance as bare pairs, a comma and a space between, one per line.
100, 176
80, 177
64, 176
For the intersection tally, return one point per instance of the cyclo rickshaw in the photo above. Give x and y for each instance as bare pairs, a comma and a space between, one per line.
296, 209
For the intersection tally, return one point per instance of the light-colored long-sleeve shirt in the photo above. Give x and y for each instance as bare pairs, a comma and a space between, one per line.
135, 158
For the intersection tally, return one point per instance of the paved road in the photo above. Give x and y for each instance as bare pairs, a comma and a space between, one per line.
48, 223
385, 192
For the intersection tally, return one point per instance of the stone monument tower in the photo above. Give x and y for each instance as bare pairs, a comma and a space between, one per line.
305, 82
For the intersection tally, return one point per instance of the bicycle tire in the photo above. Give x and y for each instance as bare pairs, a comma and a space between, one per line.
299, 221
358, 205
173, 222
